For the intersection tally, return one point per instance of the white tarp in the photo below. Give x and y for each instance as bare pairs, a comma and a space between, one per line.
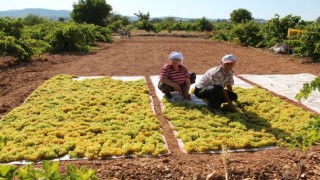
287, 86
194, 100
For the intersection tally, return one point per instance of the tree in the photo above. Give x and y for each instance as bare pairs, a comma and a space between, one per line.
276, 29
61, 19
143, 22
240, 15
246, 33
116, 17
203, 24
33, 19
91, 12
11, 27
143, 17
308, 44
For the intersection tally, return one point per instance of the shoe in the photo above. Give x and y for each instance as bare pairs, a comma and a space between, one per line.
168, 95
216, 111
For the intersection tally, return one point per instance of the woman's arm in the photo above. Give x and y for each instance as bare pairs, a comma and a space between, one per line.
172, 84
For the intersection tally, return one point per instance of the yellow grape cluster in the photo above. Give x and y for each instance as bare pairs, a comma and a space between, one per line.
261, 120
90, 118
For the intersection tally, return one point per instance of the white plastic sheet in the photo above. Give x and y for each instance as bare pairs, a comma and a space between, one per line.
194, 100
288, 86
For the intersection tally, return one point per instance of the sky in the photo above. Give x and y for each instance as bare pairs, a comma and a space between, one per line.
216, 9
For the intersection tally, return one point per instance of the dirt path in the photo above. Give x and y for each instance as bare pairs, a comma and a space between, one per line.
144, 56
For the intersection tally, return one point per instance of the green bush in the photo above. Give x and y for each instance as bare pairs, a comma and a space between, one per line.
221, 35
247, 33
275, 30
116, 25
145, 25
71, 37
308, 44
23, 42
38, 47
311, 133
308, 88
11, 27
39, 31
33, 19
309, 136
103, 34
203, 25
222, 31
49, 170
10, 46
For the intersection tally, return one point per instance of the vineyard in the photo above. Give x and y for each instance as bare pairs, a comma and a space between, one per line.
22, 86
25, 43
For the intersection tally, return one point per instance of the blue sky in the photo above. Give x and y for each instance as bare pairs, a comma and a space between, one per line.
264, 9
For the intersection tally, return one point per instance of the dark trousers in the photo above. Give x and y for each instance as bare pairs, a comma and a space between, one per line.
166, 88
214, 95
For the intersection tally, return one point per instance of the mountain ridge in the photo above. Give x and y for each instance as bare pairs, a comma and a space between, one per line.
47, 13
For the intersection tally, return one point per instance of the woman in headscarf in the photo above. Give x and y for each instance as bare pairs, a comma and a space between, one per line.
175, 77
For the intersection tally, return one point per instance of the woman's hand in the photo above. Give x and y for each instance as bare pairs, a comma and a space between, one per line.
186, 96
177, 88
231, 108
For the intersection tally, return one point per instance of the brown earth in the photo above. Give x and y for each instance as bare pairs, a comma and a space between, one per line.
144, 56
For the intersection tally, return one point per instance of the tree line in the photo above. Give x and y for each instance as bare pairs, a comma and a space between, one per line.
93, 20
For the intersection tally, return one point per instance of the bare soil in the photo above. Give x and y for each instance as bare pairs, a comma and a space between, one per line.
145, 55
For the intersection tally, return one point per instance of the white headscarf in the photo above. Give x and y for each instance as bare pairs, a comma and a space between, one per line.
176, 55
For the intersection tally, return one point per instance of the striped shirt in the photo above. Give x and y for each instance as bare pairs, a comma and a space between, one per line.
216, 76
177, 76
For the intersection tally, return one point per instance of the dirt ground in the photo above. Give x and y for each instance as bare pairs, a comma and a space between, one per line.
145, 56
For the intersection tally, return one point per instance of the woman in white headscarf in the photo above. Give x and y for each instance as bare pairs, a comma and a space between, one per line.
175, 77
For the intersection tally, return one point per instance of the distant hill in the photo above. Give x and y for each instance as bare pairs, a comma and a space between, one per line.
56, 14
189, 19
135, 18
260, 20
47, 13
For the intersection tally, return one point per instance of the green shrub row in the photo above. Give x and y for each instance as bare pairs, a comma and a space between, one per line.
250, 33
79, 37
23, 42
